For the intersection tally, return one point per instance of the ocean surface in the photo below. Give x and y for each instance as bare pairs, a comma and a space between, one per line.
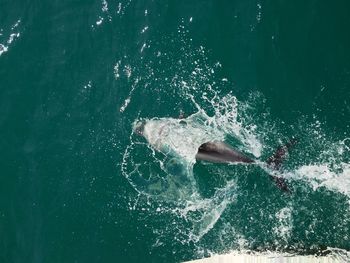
77, 184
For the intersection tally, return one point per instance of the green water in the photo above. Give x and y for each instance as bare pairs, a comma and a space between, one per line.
75, 75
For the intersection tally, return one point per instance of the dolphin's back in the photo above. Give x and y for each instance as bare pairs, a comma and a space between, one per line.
219, 152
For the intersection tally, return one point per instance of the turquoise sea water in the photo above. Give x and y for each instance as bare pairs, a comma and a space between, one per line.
77, 185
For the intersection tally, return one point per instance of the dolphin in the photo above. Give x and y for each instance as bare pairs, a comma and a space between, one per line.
221, 152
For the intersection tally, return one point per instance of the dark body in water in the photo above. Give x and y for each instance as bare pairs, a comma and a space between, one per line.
220, 152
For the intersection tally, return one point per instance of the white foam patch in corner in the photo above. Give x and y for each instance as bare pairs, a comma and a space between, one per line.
328, 161
321, 175
4, 47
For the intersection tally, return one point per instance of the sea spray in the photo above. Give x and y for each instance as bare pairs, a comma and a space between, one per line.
167, 181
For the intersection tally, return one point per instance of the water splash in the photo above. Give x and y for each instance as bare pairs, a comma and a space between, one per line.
173, 143
164, 175
13, 35
285, 223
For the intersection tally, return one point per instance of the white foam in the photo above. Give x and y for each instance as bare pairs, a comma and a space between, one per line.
144, 29
4, 47
133, 87
321, 175
12, 37
127, 71
119, 8
258, 16
89, 85
99, 22
122, 7
218, 116
183, 137
143, 47
104, 6
335, 256
16, 24
116, 69
285, 223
